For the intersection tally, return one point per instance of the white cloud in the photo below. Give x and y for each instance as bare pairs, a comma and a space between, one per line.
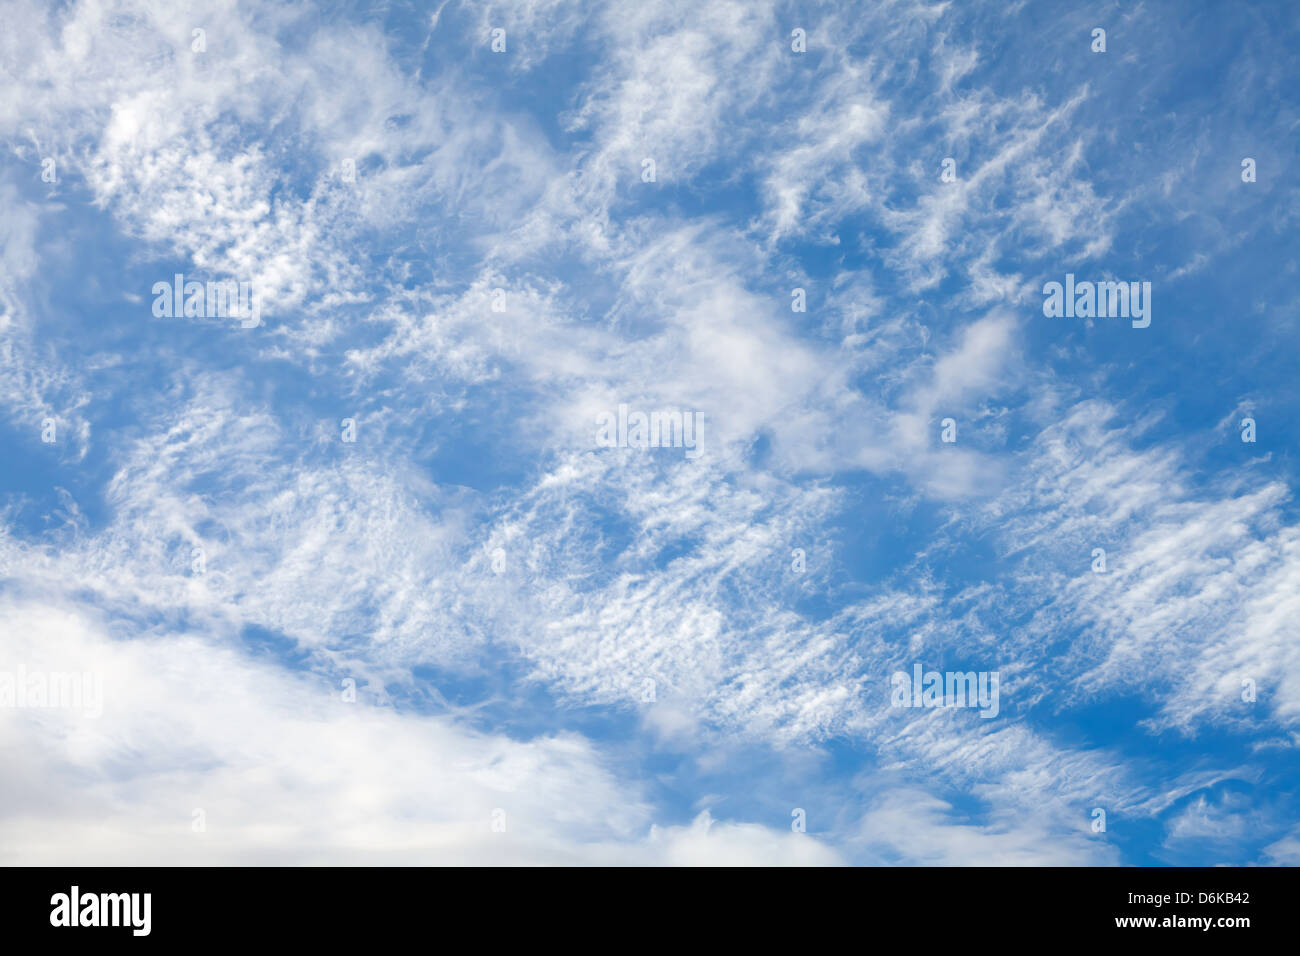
285, 772
915, 828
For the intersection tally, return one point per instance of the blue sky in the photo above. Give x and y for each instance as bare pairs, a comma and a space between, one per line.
569, 653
